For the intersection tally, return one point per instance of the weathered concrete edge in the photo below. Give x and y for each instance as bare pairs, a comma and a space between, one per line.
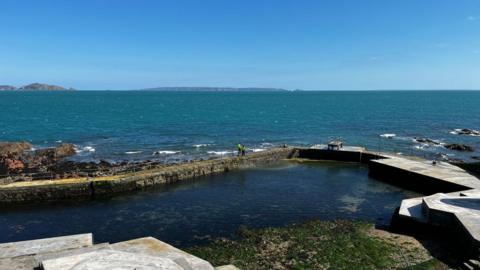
54, 191
412, 180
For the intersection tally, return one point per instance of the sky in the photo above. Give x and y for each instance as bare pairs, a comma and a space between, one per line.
292, 44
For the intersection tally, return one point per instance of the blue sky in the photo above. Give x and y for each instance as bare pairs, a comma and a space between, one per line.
337, 44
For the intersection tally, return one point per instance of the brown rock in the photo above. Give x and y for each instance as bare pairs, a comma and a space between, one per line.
65, 150
15, 149
13, 165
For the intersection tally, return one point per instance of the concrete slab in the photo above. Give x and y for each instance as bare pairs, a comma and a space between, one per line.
470, 193
69, 252
344, 148
442, 171
453, 210
47, 245
468, 205
18, 263
110, 260
154, 247
413, 209
472, 225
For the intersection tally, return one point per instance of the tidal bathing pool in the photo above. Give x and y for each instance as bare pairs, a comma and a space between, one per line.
194, 212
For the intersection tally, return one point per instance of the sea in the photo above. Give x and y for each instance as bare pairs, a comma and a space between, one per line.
178, 126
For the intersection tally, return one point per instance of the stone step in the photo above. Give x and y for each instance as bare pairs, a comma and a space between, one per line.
154, 247
46, 245
413, 209
110, 260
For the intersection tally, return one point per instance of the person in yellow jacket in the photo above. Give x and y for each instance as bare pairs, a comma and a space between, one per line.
241, 149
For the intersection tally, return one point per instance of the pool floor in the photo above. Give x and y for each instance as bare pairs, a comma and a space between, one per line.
197, 211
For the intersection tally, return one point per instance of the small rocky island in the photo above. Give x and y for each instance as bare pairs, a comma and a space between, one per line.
35, 87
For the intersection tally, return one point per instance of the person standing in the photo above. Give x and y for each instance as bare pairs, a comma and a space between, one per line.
239, 148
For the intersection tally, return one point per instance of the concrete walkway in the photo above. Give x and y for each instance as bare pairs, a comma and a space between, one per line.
79, 252
441, 171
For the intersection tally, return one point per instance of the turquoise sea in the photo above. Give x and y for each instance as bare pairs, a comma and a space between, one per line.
119, 125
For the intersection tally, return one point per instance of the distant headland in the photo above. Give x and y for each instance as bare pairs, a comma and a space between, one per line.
214, 89
35, 87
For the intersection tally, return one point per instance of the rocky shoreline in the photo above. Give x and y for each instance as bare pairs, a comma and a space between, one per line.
20, 162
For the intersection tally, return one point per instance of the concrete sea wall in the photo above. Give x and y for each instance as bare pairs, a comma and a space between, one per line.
52, 190
411, 180
344, 155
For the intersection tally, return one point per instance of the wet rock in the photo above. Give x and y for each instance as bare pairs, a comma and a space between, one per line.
426, 141
466, 131
459, 147
475, 157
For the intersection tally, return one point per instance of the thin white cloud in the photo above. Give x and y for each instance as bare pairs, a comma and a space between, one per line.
472, 18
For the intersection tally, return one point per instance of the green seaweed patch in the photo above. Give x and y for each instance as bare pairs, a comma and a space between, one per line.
339, 244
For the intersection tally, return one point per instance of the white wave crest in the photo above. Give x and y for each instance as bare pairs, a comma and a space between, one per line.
220, 153
133, 152
165, 152
255, 150
85, 149
201, 145
388, 135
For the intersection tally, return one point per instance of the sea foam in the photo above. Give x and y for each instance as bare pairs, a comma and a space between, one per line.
388, 135
165, 152
220, 153
133, 152
85, 149
201, 145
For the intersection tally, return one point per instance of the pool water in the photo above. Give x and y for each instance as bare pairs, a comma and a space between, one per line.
196, 211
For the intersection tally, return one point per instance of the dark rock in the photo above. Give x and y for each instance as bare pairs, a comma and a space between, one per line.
426, 140
459, 147
475, 157
466, 131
